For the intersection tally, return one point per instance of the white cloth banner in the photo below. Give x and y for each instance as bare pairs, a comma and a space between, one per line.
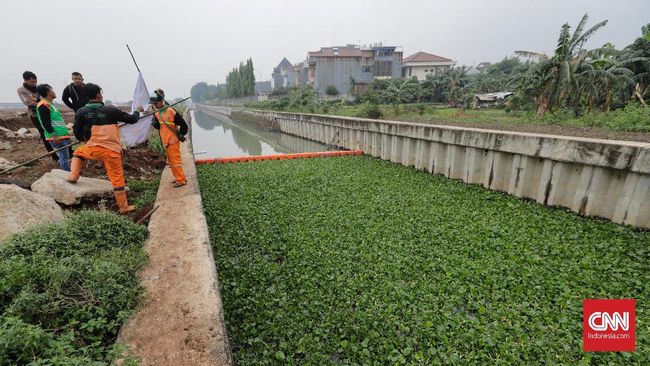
133, 134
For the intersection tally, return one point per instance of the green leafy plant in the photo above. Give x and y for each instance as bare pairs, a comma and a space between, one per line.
354, 260
66, 288
145, 191
154, 142
331, 91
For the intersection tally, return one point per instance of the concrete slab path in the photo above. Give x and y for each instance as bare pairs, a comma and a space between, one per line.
181, 319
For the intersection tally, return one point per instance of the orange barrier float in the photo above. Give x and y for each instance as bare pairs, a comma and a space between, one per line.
243, 159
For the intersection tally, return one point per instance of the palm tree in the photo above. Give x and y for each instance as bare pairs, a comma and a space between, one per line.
556, 75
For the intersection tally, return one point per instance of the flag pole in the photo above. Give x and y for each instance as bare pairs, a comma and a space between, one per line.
132, 57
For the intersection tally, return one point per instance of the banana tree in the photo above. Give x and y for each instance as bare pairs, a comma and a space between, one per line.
556, 74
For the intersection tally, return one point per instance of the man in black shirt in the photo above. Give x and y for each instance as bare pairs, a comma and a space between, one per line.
73, 94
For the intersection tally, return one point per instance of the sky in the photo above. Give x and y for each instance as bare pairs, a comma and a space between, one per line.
179, 43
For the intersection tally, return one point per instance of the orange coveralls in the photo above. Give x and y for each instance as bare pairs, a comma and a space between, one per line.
171, 143
102, 144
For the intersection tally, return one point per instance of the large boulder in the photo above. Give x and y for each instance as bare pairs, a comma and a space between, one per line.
54, 185
22, 209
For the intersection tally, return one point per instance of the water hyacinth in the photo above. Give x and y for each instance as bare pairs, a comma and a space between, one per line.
354, 260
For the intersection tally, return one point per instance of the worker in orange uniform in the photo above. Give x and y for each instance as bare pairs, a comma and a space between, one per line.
173, 129
96, 124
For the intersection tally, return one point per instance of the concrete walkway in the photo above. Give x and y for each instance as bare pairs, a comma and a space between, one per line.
181, 319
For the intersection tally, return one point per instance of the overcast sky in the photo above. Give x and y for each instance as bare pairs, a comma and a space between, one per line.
178, 43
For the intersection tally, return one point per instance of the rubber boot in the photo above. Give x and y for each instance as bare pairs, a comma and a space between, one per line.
122, 202
76, 165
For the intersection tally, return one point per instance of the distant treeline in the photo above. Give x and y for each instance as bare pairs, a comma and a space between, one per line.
240, 82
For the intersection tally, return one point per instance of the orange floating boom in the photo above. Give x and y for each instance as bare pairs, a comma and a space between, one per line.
243, 159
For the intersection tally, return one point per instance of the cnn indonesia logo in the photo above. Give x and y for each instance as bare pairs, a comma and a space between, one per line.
608, 325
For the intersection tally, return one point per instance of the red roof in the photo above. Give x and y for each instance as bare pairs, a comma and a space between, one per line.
425, 57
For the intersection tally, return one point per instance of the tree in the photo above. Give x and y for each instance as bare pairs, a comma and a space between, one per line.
636, 57
198, 91
555, 76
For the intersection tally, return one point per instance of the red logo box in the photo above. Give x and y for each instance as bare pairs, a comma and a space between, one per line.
608, 325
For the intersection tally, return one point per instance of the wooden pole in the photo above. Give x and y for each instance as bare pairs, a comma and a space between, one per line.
132, 57
38, 158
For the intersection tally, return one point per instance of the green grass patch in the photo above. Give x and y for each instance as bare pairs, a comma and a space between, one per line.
632, 118
144, 190
66, 289
155, 143
354, 260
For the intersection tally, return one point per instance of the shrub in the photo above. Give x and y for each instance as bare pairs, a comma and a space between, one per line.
331, 90
66, 288
371, 110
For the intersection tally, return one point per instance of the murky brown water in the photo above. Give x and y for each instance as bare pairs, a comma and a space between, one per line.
223, 137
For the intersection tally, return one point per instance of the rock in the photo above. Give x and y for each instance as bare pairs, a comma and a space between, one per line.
2, 129
6, 164
5, 145
33, 131
10, 134
23, 209
22, 131
54, 185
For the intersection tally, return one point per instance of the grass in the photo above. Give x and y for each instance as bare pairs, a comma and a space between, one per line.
354, 260
66, 289
144, 191
154, 143
632, 118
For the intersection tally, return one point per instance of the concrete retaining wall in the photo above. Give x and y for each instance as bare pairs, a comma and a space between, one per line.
604, 178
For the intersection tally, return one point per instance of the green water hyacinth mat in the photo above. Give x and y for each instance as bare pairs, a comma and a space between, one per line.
354, 260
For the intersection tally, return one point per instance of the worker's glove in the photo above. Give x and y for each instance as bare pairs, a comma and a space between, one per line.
181, 138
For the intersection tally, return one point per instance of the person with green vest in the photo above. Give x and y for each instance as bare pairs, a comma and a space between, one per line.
54, 127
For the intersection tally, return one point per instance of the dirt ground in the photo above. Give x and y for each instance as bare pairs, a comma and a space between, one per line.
139, 163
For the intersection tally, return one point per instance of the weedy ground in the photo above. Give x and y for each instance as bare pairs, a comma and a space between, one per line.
355, 260
66, 289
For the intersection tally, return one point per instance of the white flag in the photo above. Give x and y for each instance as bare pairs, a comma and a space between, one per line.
137, 133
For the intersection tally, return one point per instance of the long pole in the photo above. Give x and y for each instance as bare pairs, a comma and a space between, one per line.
132, 57
74, 143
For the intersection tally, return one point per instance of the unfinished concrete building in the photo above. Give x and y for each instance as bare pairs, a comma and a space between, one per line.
350, 69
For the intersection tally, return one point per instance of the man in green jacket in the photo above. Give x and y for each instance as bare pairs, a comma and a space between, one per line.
54, 127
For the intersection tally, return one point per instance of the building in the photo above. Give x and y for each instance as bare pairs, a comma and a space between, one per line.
350, 69
421, 64
478, 69
263, 87
284, 76
483, 66
491, 99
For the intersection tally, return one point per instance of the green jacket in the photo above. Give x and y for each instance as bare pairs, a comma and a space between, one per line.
51, 120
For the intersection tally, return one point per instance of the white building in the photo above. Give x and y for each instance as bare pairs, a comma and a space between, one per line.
421, 64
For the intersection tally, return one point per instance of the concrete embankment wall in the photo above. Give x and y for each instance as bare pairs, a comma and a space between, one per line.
592, 177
